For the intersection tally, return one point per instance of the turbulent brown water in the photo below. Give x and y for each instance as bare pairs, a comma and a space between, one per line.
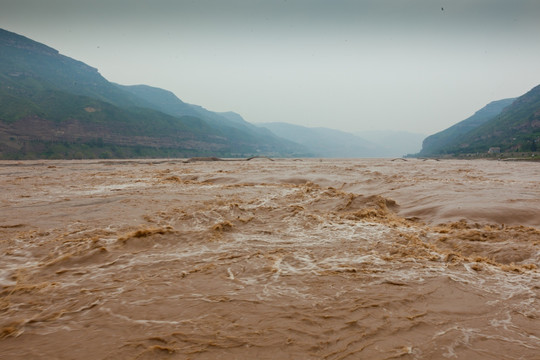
310, 259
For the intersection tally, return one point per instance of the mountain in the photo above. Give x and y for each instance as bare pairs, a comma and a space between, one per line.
324, 142
52, 106
442, 142
515, 129
511, 125
166, 102
230, 124
392, 143
29, 66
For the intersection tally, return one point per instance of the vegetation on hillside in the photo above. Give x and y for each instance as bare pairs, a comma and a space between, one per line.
510, 127
52, 106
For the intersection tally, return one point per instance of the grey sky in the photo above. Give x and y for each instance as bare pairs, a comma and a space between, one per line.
417, 65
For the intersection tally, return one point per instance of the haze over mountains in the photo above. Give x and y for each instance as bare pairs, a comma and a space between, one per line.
393, 143
52, 106
325, 142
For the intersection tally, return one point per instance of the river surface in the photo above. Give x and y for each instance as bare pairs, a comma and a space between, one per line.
260, 259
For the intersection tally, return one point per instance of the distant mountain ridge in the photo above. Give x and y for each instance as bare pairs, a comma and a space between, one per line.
393, 143
52, 106
509, 125
324, 142
230, 124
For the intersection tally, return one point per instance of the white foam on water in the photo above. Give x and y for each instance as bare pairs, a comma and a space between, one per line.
143, 321
295, 252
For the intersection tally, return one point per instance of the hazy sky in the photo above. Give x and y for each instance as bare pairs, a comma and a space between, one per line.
417, 65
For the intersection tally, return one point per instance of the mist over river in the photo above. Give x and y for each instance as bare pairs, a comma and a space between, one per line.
260, 259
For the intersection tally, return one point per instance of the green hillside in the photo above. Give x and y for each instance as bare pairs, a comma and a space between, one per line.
29, 67
52, 106
508, 126
515, 129
441, 142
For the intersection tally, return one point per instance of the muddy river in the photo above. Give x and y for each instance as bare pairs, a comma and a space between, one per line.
261, 259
